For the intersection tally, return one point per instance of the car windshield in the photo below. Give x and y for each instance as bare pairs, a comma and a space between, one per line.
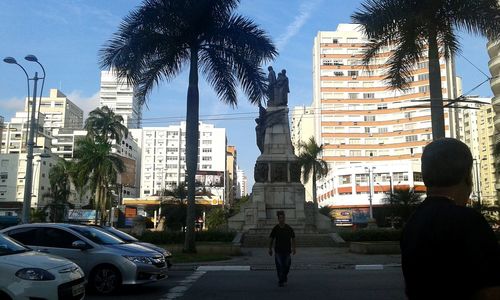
9, 246
122, 235
97, 236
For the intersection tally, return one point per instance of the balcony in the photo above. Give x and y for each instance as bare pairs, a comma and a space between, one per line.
495, 84
494, 65
493, 48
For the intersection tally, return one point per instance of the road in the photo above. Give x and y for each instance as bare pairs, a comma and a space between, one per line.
314, 284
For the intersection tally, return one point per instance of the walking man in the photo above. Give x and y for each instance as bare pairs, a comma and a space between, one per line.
283, 237
448, 250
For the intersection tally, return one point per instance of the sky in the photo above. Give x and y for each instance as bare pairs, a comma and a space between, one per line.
66, 36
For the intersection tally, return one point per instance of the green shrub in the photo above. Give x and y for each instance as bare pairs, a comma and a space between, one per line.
177, 237
368, 235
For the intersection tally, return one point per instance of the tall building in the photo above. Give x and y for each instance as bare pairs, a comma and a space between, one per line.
119, 96
59, 112
302, 129
1, 132
366, 127
242, 187
15, 134
163, 159
231, 175
494, 66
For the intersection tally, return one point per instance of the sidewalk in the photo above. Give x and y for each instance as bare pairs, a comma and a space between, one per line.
306, 258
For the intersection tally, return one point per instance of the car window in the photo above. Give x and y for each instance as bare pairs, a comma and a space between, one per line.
25, 235
122, 235
97, 236
57, 238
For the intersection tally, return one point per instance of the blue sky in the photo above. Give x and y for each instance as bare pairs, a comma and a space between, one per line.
66, 36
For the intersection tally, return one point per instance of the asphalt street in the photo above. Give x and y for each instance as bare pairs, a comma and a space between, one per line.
261, 284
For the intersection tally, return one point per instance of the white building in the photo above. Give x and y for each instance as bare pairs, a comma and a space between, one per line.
242, 187
363, 123
163, 155
119, 97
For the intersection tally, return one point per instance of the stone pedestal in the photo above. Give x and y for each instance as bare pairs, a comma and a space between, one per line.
277, 183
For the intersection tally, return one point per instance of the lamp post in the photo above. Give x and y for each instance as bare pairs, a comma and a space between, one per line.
28, 182
370, 179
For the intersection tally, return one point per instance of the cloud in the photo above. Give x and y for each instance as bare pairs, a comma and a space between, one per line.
305, 11
87, 104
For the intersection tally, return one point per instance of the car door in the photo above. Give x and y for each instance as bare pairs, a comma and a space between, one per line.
59, 242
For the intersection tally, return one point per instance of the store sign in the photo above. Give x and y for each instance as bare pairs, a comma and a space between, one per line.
81, 214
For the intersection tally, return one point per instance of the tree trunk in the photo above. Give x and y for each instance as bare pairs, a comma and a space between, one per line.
96, 200
192, 134
437, 111
315, 201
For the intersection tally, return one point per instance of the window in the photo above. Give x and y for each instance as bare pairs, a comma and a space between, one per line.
423, 77
345, 179
382, 130
338, 73
361, 178
368, 95
417, 176
355, 153
207, 142
411, 138
353, 95
382, 106
399, 176
56, 238
25, 235
423, 89
207, 150
206, 158
369, 118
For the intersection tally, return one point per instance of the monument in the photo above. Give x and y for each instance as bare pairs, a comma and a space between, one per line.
277, 172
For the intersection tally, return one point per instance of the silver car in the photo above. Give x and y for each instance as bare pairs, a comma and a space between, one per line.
107, 261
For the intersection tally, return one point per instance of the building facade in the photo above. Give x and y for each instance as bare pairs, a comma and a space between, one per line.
231, 175
494, 66
163, 159
361, 122
242, 187
119, 97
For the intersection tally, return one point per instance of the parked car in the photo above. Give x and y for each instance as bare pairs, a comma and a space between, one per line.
131, 239
107, 261
27, 274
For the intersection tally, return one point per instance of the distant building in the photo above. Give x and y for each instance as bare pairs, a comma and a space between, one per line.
119, 97
363, 123
494, 66
242, 187
163, 159
231, 175
59, 112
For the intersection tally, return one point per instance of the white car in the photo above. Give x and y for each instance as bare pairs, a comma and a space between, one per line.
27, 274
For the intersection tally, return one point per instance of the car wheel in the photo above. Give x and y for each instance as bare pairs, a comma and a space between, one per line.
105, 279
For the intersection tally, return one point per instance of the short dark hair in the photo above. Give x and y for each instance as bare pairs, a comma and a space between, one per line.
446, 162
280, 213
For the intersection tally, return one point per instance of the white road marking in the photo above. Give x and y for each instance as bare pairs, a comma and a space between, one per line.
223, 268
184, 285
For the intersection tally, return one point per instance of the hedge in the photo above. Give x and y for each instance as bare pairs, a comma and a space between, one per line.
367, 235
177, 237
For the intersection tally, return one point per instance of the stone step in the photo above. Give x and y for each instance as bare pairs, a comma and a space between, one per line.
301, 240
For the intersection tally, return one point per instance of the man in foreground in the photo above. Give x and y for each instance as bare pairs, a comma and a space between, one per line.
449, 251
284, 238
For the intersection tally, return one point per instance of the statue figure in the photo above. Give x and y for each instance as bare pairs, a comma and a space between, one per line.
271, 79
260, 129
281, 89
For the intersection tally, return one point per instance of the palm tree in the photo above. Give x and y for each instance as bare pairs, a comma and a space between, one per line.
104, 125
413, 27
157, 40
96, 162
312, 165
402, 202
60, 190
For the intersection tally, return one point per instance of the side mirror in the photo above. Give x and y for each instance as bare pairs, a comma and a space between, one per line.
79, 245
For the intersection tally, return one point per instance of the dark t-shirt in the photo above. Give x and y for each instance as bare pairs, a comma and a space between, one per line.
283, 236
448, 252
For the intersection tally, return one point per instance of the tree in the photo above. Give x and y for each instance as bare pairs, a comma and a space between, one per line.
402, 203
217, 218
104, 125
96, 162
413, 27
312, 165
60, 190
157, 40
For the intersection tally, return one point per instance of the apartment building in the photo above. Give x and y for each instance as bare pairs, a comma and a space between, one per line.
58, 112
231, 175
119, 96
365, 125
163, 159
494, 66
242, 186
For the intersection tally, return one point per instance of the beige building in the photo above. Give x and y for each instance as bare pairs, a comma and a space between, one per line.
369, 130
59, 112
494, 66
231, 187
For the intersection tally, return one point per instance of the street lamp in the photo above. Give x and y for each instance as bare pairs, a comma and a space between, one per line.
370, 178
28, 182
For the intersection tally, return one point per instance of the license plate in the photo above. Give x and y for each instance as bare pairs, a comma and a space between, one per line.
78, 289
